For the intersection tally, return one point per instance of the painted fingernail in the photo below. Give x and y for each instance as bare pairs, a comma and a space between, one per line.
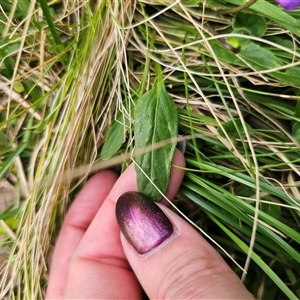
142, 222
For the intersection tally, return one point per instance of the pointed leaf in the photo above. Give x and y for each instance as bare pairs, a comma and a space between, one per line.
115, 137
156, 120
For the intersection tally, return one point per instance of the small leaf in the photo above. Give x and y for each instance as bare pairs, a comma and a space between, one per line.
115, 137
244, 191
156, 120
12, 223
18, 87
234, 43
253, 24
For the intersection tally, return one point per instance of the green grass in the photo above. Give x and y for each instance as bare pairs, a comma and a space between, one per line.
69, 70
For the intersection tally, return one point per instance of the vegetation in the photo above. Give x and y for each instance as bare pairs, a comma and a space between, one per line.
71, 73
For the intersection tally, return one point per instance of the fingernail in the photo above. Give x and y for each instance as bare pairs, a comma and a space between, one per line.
142, 222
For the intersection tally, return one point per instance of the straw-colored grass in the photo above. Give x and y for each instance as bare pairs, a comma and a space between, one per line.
69, 69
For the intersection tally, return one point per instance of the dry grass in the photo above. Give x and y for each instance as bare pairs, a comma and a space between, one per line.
58, 99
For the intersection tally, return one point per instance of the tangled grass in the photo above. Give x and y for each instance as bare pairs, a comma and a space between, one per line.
70, 68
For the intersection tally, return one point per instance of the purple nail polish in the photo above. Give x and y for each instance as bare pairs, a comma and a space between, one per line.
142, 222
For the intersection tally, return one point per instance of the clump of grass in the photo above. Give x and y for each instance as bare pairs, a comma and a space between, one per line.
69, 71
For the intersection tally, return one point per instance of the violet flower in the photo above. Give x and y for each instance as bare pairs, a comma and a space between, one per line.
289, 4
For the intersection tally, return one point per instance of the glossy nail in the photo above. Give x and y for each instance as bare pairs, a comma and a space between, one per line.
142, 222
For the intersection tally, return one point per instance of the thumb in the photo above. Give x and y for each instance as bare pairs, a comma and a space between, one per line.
170, 259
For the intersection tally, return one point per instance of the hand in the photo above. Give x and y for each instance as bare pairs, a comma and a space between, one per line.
91, 261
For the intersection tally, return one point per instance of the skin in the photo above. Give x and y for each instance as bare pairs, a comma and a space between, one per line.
92, 260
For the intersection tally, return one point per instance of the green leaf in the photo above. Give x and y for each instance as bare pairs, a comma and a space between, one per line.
12, 223
272, 210
296, 131
287, 43
244, 191
156, 120
297, 111
9, 214
226, 55
115, 137
252, 24
296, 91
259, 57
234, 129
273, 12
290, 76
23, 6
11, 159
18, 87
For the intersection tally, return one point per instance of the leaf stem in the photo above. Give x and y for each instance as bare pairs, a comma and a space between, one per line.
158, 71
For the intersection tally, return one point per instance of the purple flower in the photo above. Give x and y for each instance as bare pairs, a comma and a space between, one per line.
289, 4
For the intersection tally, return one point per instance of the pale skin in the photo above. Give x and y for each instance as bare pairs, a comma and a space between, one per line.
91, 260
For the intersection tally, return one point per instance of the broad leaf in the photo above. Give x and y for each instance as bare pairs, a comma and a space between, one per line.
259, 57
155, 120
274, 12
252, 24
